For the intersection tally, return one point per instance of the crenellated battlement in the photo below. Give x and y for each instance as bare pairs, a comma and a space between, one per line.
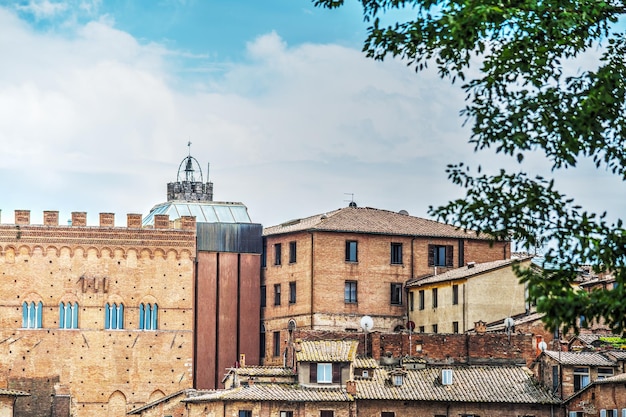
107, 220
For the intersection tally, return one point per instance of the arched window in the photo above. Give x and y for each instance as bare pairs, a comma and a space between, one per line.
68, 315
114, 316
31, 315
148, 316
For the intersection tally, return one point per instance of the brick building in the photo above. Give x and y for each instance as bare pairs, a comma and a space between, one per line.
604, 397
99, 320
327, 271
452, 301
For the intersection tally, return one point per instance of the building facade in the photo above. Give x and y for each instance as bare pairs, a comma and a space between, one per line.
327, 271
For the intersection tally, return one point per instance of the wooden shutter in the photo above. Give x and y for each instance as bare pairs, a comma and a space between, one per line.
312, 372
449, 255
336, 373
431, 255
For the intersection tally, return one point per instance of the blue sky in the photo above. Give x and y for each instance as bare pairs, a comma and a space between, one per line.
99, 99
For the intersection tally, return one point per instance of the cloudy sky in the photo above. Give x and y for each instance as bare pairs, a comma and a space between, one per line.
98, 100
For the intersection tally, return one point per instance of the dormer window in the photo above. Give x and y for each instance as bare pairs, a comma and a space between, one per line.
365, 373
324, 373
398, 380
446, 376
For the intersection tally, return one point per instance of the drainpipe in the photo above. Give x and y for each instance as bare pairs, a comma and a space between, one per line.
312, 269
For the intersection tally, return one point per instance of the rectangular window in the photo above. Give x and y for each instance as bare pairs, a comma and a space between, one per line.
411, 301
263, 295
286, 414
292, 292
421, 300
245, 413
292, 252
440, 255
276, 294
352, 251
277, 254
396, 253
422, 329
324, 373
396, 293
435, 328
555, 378
455, 327
455, 294
388, 413
327, 413
276, 344
262, 342
605, 372
576, 414
350, 292
581, 378
608, 413
446, 377
435, 301
264, 254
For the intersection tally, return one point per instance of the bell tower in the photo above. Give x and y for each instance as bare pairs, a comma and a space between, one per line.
190, 186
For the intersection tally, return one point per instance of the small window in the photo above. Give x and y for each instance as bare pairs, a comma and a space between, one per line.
581, 378
286, 414
422, 329
396, 293
576, 414
365, 373
327, 413
396, 253
455, 327
114, 316
31, 315
245, 413
435, 298
398, 380
276, 344
352, 251
292, 252
276, 294
455, 294
263, 296
68, 316
262, 342
435, 328
421, 300
411, 301
277, 254
605, 373
292, 292
264, 254
350, 292
148, 316
446, 376
324, 373
387, 414
440, 255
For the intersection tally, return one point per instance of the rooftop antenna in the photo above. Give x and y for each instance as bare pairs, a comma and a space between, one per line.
352, 203
367, 324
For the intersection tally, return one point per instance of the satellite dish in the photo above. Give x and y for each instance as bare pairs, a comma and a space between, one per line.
509, 322
543, 346
367, 323
291, 326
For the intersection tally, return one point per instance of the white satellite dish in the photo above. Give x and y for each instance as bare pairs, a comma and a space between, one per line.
367, 323
509, 322
543, 346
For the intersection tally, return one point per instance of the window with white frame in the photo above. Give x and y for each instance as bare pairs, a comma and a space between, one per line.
581, 378
286, 414
68, 315
113, 316
148, 316
446, 376
608, 413
605, 373
324, 373
31, 315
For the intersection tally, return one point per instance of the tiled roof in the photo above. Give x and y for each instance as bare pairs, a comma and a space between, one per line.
579, 358
612, 379
517, 320
276, 392
365, 363
463, 272
327, 351
619, 355
13, 392
486, 384
371, 220
264, 371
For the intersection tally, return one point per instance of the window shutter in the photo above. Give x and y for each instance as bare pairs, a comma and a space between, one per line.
312, 372
431, 255
572, 414
602, 413
336, 373
449, 255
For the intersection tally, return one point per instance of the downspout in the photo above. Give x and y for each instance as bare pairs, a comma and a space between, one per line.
312, 269
412, 260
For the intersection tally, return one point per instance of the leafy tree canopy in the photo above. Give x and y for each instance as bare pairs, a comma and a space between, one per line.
520, 100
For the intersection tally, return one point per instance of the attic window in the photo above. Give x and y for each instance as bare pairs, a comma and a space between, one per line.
446, 376
365, 373
398, 380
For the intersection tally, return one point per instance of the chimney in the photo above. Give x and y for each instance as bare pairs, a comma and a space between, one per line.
161, 221
188, 222
480, 327
50, 218
351, 387
107, 219
22, 216
242, 360
133, 220
471, 265
79, 218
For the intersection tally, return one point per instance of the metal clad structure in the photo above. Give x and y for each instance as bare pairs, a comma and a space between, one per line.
230, 237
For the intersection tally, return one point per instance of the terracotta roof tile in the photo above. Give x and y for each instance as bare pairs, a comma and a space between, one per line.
463, 272
365, 363
371, 220
13, 392
264, 371
276, 392
327, 351
579, 358
502, 384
